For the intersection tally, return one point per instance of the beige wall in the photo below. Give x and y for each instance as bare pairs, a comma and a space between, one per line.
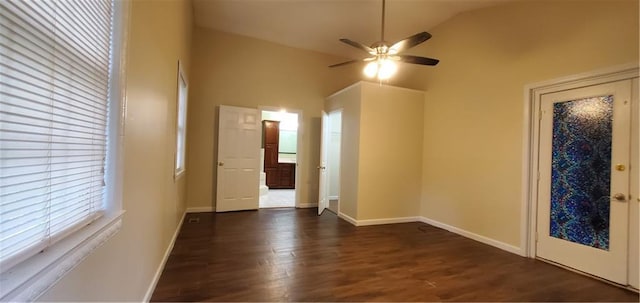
473, 116
381, 151
390, 152
123, 269
240, 71
348, 100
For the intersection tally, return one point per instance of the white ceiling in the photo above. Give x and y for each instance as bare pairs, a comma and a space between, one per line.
318, 24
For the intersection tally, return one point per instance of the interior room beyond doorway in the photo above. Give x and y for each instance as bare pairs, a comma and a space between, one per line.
279, 158
333, 160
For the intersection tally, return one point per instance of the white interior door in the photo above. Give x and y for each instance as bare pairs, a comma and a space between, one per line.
583, 189
239, 135
322, 167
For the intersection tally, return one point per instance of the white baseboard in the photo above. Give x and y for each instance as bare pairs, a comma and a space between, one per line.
306, 205
473, 236
387, 221
377, 221
333, 198
347, 218
203, 209
156, 277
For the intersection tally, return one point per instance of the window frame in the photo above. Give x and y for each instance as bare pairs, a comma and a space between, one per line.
31, 278
180, 155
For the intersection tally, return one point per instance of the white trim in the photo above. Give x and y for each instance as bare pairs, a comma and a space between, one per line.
167, 253
382, 221
465, 233
341, 111
27, 281
347, 218
201, 209
180, 170
473, 236
532, 94
306, 205
299, 154
114, 164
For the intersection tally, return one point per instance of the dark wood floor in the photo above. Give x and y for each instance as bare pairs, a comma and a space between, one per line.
293, 255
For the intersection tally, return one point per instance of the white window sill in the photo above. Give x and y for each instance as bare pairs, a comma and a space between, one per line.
30, 279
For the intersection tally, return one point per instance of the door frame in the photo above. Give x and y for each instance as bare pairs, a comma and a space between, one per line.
531, 127
323, 184
299, 157
333, 112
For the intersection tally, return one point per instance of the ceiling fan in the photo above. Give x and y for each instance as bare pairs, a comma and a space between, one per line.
382, 63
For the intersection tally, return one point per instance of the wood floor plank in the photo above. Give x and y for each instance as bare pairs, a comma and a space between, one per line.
294, 255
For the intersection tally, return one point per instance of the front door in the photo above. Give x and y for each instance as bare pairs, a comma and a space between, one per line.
583, 189
238, 179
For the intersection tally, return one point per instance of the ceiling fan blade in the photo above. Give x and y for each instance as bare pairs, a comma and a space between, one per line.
410, 42
359, 45
344, 63
418, 60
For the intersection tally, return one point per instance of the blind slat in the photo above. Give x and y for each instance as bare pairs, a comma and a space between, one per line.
44, 43
54, 82
29, 58
17, 206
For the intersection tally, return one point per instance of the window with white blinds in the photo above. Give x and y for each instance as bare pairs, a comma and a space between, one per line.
181, 125
55, 58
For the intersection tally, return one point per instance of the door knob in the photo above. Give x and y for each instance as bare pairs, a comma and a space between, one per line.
620, 197
220, 163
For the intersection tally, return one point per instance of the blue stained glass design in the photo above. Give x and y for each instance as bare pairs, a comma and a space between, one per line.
581, 171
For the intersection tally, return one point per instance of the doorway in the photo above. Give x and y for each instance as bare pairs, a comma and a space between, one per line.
583, 175
279, 158
333, 160
329, 195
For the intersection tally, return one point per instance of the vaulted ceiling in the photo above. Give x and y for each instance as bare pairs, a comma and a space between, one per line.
318, 24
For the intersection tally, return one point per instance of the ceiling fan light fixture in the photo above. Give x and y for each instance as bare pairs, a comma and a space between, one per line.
383, 56
387, 69
382, 69
371, 69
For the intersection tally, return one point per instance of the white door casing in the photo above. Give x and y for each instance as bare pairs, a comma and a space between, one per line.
322, 167
238, 176
610, 263
634, 203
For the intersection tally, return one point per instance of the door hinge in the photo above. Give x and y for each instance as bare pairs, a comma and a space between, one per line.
536, 236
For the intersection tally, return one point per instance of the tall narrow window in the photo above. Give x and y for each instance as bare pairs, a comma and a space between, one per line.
181, 127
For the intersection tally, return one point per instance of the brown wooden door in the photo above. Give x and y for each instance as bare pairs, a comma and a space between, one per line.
271, 135
279, 175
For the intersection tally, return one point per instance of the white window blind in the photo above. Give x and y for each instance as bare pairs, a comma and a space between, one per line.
54, 84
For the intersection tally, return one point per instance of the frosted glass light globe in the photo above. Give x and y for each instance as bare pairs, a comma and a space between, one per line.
387, 69
371, 69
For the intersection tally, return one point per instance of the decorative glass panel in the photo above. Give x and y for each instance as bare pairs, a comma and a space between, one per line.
581, 171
